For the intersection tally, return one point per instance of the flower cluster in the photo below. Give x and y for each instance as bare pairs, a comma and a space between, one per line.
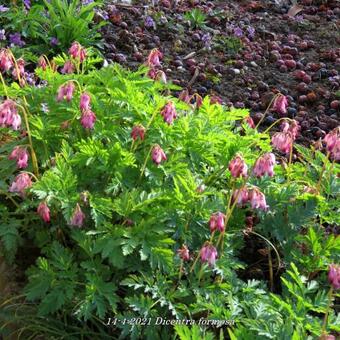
138, 131
154, 63
9, 116
158, 155
283, 140
21, 183
253, 195
169, 112
334, 276
21, 156
332, 140
217, 222
66, 92
88, 117
238, 167
265, 165
208, 253
280, 104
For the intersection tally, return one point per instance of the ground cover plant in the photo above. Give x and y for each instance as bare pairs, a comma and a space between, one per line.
127, 212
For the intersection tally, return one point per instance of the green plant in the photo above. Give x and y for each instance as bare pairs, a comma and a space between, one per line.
122, 215
196, 17
54, 25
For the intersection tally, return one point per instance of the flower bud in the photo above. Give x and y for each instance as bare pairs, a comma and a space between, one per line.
237, 167
78, 217
44, 212
158, 155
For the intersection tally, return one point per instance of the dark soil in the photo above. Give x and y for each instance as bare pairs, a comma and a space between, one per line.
248, 77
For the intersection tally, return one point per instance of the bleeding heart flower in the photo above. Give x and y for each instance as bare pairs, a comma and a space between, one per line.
183, 253
257, 199
241, 196
76, 51
138, 131
237, 167
44, 212
154, 58
6, 60
88, 119
158, 155
184, 96
85, 100
332, 140
249, 121
42, 63
282, 141
21, 182
19, 68
264, 165
169, 112
280, 104
334, 276
21, 156
68, 67
208, 254
217, 222
292, 128
78, 217
66, 92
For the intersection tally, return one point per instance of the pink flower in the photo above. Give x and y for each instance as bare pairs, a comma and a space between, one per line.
257, 199
282, 141
44, 212
217, 222
21, 182
68, 67
292, 128
152, 74
65, 92
77, 51
21, 156
249, 121
9, 115
334, 276
138, 131
183, 253
332, 138
208, 254
238, 167
241, 196
154, 58
184, 96
216, 100
158, 155
78, 217
6, 60
42, 63
88, 119
20, 67
280, 104
198, 100
169, 112
85, 101
335, 154
264, 165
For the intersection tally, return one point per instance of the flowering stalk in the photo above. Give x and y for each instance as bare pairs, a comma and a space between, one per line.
324, 325
144, 164
33, 155
322, 172
4, 84
267, 109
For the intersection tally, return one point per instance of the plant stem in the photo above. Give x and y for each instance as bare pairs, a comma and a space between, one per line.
4, 84
325, 320
10, 198
267, 109
271, 275
144, 165
322, 172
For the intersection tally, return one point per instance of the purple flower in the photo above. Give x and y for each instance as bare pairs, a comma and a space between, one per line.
2, 35
87, 2
27, 4
54, 41
251, 31
15, 39
3, 8
148, 22
238, 32
206, 39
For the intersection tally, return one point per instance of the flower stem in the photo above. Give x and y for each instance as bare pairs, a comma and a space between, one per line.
322, 172
267, 109
4, 84
325, 320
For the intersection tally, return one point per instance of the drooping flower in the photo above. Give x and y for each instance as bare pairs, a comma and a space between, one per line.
332, 139
184, 96
217, 222
241, 196
158, 155
6, 60
249, 121
216, 100
85, 100
293, 128
20, 183
282, 141
257, 199
68, 67
88, 118
238, 167
138, 131
264, 165
16, 122
335, 154
78, 217
280, 104
208, 254
44, 212
20, 68
154, 58
334, 276
76, 51
161, 76
9, 116
169, 112
65, 91
183, 253
21, 156
42, 63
